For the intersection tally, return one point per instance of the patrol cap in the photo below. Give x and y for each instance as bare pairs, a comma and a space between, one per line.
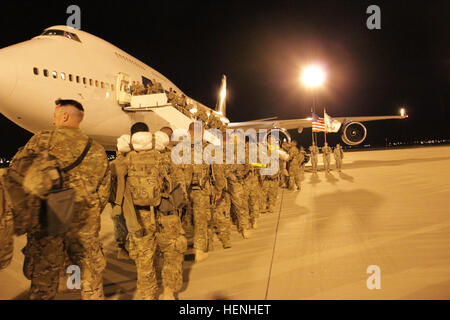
69, 102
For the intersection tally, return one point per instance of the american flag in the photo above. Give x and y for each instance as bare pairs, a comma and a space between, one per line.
318, 124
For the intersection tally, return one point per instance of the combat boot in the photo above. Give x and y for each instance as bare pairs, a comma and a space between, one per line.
200, 255
226, 244
167, 294
246, 233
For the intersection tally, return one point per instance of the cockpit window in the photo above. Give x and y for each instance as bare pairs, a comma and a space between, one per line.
62, 33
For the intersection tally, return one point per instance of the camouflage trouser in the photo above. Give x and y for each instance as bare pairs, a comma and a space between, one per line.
270, 190
120, 231
262, 197
294, 177
201, 208
239, 204
142, 251
187, 219
326, 162
46, 257
284, 179
6, 237
221, 218
338, 163
253, 197
314, 161
172, 244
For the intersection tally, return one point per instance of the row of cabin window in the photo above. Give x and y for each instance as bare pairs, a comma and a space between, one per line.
77, 78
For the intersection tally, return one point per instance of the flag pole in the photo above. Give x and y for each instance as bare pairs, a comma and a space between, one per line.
314, 108
312, 113
325, 132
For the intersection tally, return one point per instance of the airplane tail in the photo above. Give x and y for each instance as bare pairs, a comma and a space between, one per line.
221, 106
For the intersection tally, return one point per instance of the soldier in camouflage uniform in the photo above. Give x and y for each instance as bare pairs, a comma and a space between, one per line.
148, 88
171, 240
139, 89
284, 178
134, 88
271, 184
314, 157
294, 167
6, 227
326, 150
171, 97
118, 170
144, 171
239, 191
214, 122
91, 182
181, 101
252, 183
202, 115
338, 156
198, 178
221, 210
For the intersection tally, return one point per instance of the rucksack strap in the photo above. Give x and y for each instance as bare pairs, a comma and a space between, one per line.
80, 158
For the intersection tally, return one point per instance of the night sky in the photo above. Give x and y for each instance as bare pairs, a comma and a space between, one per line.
262, 46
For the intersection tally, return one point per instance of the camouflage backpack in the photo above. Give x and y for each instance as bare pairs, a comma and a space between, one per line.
144, 177
200, 175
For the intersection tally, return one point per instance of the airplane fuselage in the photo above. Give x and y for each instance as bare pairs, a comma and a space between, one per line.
38, 71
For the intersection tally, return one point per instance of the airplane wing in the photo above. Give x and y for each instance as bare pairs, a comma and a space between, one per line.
302, 123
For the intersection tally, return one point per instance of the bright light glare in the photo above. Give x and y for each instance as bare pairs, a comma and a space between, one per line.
313, 76
223, 95
193, 110
402, 112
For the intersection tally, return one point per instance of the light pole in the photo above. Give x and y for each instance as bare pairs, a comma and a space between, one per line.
313, 77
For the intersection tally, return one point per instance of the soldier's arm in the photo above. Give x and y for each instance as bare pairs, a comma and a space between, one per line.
104, 187
23, 159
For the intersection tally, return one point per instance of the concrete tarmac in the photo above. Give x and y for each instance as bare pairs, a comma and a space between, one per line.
387, 208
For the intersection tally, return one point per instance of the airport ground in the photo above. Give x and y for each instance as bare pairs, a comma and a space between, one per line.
387, 208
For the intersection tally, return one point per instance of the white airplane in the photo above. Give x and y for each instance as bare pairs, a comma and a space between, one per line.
68, 63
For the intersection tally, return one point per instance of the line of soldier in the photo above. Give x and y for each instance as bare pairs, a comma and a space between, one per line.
179, 101
216, 196
65, 163
293, 169
326, 153
137, 88
155, 203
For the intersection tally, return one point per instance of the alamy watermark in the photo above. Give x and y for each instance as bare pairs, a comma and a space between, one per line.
74, 20
74, 280
374, 20
374, 280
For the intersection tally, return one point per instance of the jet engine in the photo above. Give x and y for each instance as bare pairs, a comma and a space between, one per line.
354, 133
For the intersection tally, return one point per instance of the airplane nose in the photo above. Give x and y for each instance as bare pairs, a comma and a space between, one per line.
8, 77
